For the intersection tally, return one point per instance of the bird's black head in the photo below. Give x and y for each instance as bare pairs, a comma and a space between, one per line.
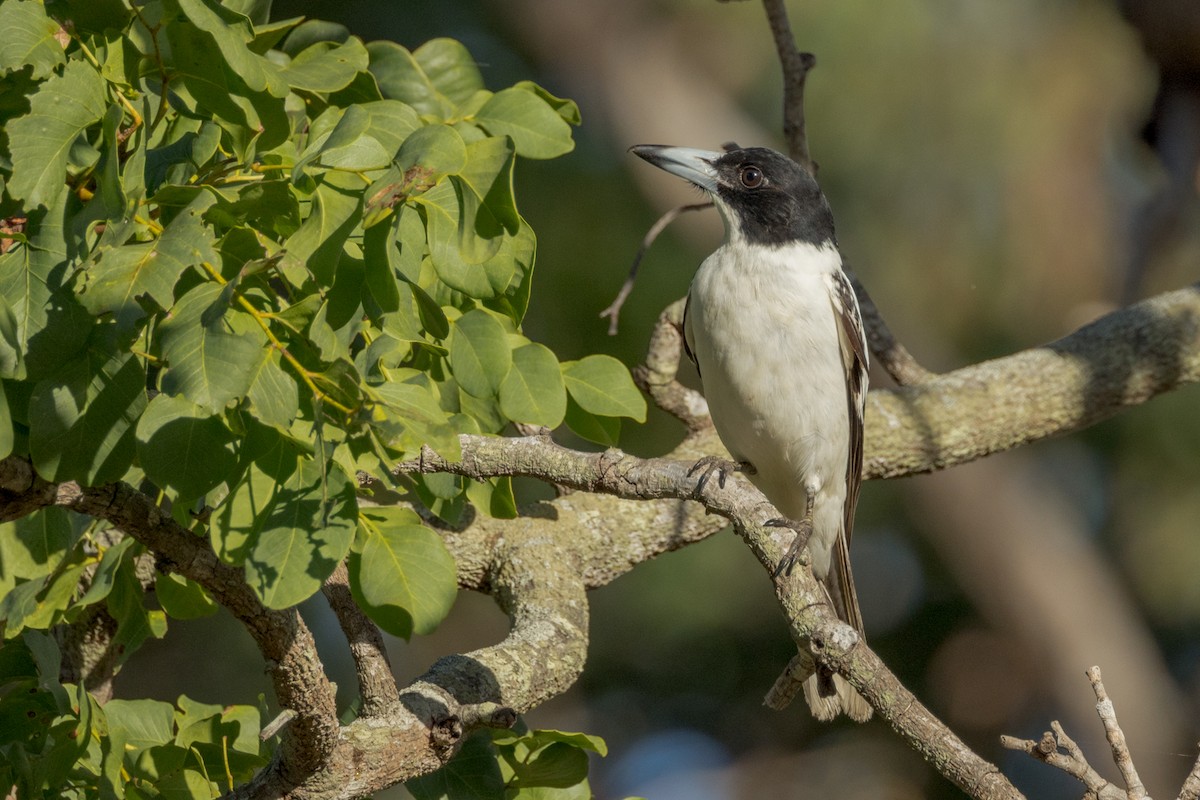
764, 196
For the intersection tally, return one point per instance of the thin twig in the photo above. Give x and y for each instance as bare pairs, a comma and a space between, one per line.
657, 375
1116, 738
795, 70
613, 312
1049, 751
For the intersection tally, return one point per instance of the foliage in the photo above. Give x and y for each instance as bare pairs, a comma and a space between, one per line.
57, 741
244, 263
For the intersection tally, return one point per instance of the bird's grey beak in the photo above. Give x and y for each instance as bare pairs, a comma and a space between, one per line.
686, 162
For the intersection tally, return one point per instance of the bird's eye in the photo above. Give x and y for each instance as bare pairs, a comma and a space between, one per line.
751, 177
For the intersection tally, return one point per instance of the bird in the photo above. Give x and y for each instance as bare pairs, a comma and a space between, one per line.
774, 327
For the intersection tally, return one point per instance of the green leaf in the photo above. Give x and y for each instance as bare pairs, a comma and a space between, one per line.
208, 363
82, 418
447, 229
51, 326
379, 254
472, 774
413, 418
62, 108
602, 430
602, 385
184, 447
567, 109
7, 436
510, 273
104, 577
535, 740
536, 128
126, 604
433, 319
301, 534
28, 38
232, 32
400, 77
403, 574
313, 30
391, 123
274, 395
532, 392
479, 353
34, 545
557, 766
221, 91
122, 274
450, 68
489, 174
336, 210
140, 723
430, 153
11, 351
327, 67
181, 598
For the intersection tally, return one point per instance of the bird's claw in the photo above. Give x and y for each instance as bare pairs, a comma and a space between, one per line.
803, 529
707, 465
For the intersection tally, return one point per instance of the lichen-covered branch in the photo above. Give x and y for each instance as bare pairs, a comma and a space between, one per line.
376, 685
1120, 360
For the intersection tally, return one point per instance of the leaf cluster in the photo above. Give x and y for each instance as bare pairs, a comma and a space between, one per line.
242, 264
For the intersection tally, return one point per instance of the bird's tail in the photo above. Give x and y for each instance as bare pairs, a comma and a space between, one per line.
828, 694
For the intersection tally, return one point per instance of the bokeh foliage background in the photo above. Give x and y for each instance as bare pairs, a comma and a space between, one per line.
988, 171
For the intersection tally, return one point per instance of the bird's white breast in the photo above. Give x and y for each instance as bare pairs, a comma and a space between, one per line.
763, 330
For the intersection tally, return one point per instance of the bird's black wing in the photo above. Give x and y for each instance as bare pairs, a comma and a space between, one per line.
853, 342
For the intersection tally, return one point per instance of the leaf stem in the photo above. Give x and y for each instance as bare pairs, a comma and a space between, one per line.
261, 319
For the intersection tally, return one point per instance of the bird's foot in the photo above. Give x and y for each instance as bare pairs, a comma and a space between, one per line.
721, 466
803, 529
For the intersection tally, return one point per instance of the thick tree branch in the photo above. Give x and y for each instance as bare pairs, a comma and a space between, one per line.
1120, 360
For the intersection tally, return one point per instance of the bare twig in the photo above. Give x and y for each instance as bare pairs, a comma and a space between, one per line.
1116, 738
1049, 751
375, 682
613, 312
795, 70
790, 681
656, 376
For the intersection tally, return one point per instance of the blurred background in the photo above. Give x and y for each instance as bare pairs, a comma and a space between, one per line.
1000, 173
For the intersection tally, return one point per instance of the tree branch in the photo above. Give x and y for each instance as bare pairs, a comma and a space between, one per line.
795, 70
804, 601
1120, 360
376, 685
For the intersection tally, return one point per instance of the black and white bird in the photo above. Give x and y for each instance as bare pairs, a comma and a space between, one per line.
774, 328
